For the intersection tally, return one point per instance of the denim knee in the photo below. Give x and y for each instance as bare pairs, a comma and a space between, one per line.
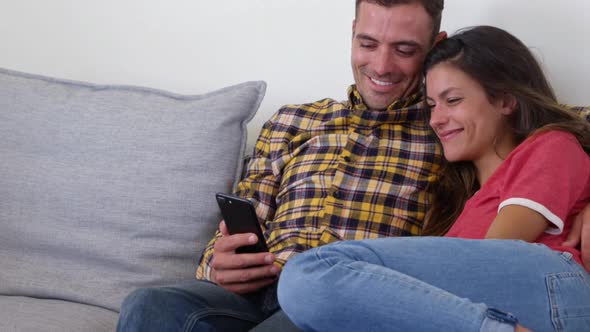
138, 307
289, 287
139, 298
299, 289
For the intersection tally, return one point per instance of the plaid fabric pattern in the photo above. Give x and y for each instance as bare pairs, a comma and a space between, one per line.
582, 111
329, 171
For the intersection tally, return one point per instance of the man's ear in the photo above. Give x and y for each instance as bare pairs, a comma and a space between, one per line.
353, 27
440, 36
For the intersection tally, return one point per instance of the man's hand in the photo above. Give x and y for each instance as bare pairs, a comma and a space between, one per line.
580, 235
241, 273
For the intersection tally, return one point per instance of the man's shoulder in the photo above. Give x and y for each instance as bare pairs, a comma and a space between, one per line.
582, 111
322, 110
323, 106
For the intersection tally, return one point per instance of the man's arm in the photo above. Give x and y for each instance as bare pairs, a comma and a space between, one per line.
580, 235
582, 111
580, 232
242, 273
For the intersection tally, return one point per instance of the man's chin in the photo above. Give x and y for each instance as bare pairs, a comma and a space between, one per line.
379, 100
379, 105
382, 101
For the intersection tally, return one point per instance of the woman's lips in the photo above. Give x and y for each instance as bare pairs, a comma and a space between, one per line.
449, 134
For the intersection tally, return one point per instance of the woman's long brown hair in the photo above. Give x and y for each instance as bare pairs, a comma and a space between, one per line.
501, 64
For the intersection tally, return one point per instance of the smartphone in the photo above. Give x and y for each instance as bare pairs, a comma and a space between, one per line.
240, 217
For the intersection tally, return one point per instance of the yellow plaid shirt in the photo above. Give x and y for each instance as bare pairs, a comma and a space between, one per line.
330, 170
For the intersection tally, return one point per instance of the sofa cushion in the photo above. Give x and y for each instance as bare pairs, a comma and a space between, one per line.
27, 314
107, 188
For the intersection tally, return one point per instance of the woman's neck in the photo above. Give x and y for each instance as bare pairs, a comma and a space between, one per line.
485, 168
489, 163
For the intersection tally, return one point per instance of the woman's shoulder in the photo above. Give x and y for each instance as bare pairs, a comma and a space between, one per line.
548, 147
551, 140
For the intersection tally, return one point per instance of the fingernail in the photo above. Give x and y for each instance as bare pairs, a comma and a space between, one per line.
274, 270
268, 259
252, 239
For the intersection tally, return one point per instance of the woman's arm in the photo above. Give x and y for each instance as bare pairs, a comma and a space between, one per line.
517, 222
543, 181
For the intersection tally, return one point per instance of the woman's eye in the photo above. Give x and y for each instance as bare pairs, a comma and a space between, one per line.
452, 101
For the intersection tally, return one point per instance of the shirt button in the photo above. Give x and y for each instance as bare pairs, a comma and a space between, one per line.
347, 159
337, 194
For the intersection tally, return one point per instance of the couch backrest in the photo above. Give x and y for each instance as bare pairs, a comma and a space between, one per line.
107, 188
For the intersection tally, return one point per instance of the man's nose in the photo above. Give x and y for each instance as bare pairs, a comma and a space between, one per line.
384, 62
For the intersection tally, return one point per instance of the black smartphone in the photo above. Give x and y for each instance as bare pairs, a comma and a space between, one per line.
240, 217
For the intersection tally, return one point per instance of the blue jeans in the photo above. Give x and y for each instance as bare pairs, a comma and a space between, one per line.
435, 284
201, 306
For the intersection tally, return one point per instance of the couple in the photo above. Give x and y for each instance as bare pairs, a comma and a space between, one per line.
359, 169
516, 171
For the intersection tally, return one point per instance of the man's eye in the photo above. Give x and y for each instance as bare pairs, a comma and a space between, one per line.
406, 51
367, 45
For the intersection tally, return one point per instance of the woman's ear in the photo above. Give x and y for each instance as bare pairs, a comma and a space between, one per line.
509, 103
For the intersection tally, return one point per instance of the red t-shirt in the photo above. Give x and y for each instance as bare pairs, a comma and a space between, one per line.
548, 173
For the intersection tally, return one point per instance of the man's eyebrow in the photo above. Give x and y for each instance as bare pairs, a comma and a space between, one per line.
407, 43
366, 37
411, 43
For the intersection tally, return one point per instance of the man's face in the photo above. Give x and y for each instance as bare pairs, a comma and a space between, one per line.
388, 48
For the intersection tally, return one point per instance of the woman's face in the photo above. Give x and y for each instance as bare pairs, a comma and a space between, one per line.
469, 125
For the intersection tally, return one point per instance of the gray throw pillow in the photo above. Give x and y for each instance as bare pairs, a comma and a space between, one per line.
104, 189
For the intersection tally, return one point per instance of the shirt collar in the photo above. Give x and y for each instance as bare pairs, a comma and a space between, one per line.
407, 109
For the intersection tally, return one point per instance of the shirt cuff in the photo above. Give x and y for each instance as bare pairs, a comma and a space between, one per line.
539, 208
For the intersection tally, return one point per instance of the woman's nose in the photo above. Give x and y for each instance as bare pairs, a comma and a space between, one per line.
437, 116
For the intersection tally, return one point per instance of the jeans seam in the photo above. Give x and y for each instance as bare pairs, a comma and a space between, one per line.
552, 302
567, 257
198, 315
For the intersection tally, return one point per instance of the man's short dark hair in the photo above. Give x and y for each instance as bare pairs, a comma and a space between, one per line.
434, 9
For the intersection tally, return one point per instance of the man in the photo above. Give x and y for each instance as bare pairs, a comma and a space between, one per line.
321, 172
332, 165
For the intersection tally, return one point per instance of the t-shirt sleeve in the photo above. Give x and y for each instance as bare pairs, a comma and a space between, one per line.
547, 173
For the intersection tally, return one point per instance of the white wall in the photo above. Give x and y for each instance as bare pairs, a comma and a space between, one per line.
299, 47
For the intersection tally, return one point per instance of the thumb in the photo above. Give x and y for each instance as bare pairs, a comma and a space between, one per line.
223, 228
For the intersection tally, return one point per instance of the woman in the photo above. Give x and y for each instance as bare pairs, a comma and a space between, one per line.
516, 172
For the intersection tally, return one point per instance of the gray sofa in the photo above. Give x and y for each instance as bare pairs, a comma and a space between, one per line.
104, 189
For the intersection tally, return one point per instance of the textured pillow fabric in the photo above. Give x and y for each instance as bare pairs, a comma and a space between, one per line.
107, 188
